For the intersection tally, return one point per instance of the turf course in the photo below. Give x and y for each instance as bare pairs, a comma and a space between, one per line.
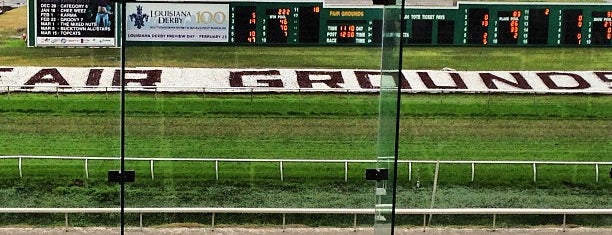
434, 127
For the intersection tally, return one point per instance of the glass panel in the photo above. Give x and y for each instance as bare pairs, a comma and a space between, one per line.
486, 120
241, 117
59, 114
388, 117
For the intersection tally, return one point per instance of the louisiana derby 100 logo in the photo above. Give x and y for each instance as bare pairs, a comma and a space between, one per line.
139, 18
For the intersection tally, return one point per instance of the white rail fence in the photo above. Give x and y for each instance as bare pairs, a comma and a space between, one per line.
58, 89
281, 162
332, 211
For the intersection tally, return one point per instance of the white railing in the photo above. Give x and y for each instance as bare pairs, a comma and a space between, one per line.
332, 211
57, 89
281, 163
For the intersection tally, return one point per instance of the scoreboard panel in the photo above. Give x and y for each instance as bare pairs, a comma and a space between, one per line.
512, 24
314, 23
485, 24
602, 28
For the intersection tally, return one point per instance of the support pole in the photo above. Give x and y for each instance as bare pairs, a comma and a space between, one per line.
435, 187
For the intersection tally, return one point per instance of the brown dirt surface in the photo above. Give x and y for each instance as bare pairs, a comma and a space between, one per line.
14, 21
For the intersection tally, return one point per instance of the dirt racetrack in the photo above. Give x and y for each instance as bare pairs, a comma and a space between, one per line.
301, 231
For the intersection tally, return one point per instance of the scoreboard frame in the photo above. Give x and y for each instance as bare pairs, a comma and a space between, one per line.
312, 22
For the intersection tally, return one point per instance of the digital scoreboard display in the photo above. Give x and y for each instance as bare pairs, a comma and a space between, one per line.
601, 28
93, 23
245, 24
310, 22
478, 26
517, 24
509, 23
538, 26
571, 26
277, 25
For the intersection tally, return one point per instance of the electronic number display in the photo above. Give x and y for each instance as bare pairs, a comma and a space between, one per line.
315, 23
485, 24
518, 24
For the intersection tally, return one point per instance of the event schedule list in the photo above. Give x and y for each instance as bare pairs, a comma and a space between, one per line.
72, 18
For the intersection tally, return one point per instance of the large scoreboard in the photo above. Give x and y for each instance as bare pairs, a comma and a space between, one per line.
312, 22
304, 23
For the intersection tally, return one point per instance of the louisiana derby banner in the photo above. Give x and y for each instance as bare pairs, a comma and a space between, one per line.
68, 79
177, 22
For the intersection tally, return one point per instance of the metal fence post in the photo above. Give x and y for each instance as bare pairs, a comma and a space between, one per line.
346, 171
435, 187
20, 170
66, 220
473, 170
494, 219
213, 221
86, 169
596, 172
282, 178
424, 222
410, 171
355, 223
152, 175
564, 220
284, 221
535, 172
217, 169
